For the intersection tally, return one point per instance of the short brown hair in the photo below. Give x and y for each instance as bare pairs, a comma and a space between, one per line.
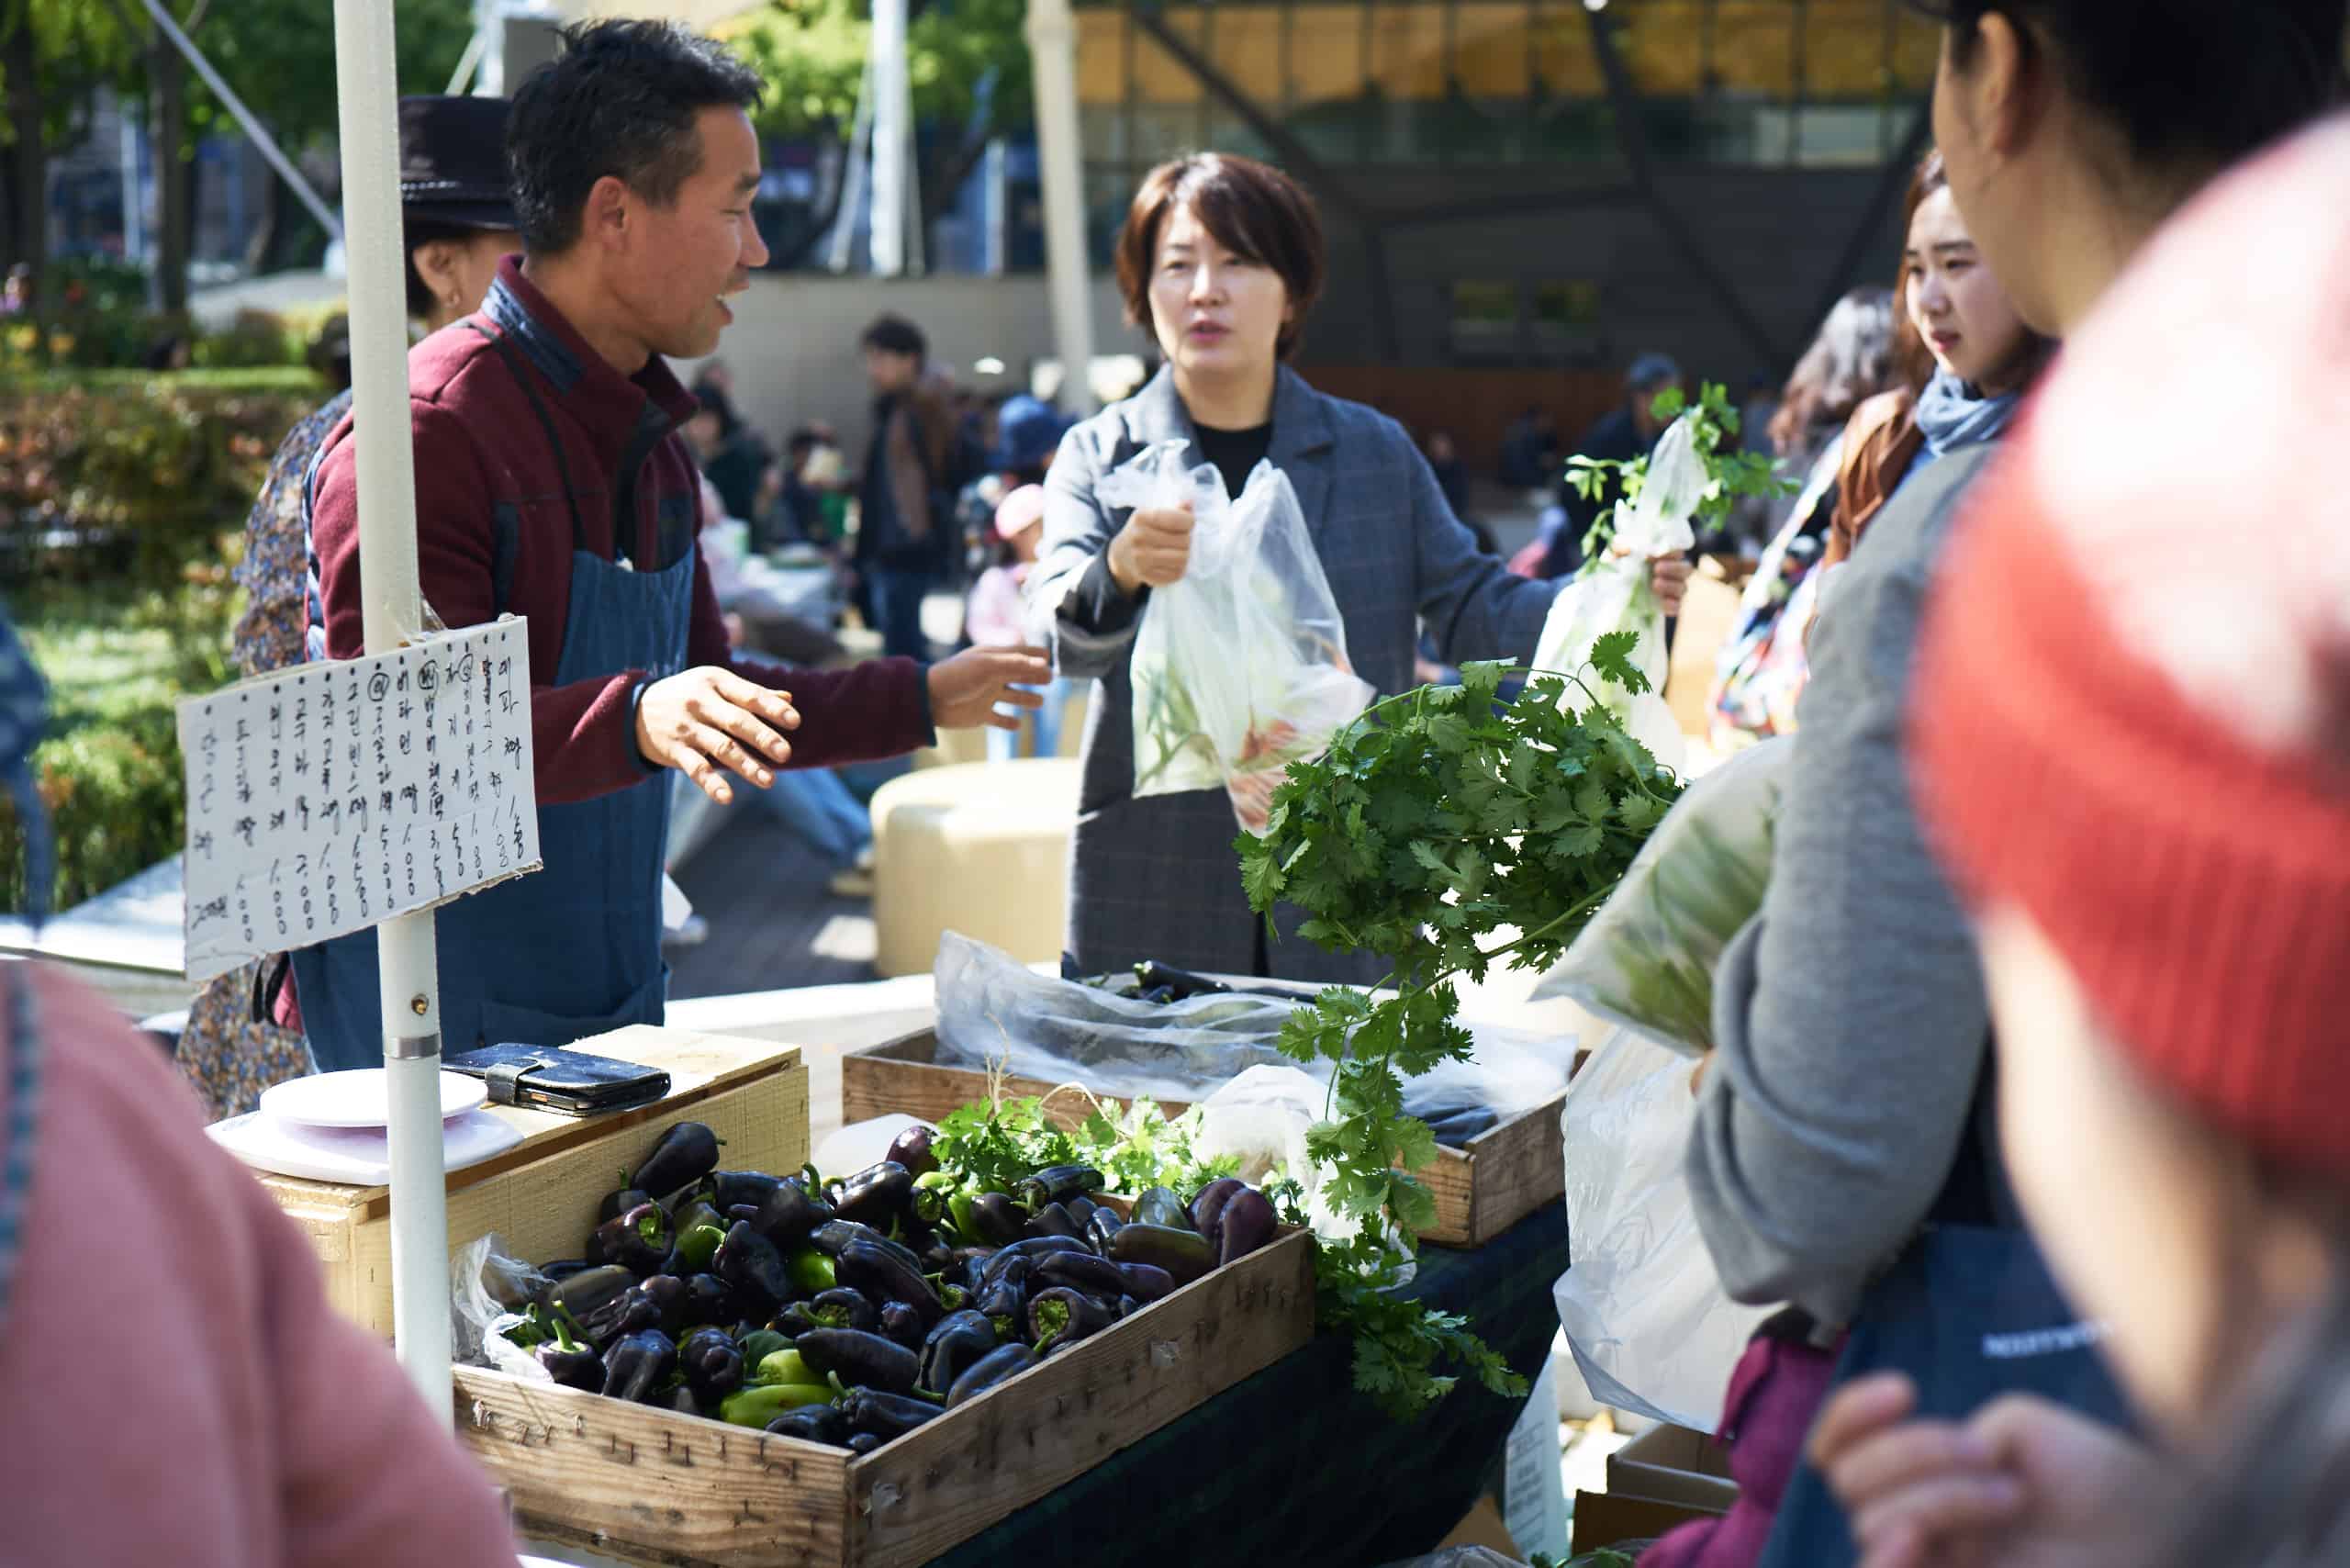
1253, 210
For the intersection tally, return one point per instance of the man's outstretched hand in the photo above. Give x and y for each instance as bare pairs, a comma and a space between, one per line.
966, 690
709, 722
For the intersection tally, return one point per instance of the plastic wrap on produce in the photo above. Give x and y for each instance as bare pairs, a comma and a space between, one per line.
993, 1009
485, 1287
1646, 959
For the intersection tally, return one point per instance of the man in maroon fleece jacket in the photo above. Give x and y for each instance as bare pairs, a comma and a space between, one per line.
553, 483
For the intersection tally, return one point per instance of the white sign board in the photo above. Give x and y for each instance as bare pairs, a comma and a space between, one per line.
330, 797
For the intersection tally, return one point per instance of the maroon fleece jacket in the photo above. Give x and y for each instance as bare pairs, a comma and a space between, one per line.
494, 534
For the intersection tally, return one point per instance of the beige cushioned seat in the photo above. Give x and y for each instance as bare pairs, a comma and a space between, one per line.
981, 849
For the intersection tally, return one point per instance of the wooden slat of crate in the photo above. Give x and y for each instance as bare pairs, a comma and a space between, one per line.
1481, 1189
540, 1195
646, 1486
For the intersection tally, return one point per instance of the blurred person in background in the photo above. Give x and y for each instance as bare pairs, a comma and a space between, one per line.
905, 537
1628, 430
1759, 675
1000, 613
456, 223
2165, 963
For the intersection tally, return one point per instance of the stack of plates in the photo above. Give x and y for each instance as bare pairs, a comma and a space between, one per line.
331, 1127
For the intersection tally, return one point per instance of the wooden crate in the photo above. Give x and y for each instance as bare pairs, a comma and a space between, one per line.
540, 1195
651, 1486
1481, 1187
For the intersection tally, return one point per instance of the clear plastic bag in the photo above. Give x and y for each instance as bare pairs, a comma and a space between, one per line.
1614, 593
485, 1288
1648, 957
1240, 668
1642, 1306
992, 1008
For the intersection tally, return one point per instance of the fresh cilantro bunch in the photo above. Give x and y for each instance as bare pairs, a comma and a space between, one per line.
1433, 822
1735, 472
991, 1146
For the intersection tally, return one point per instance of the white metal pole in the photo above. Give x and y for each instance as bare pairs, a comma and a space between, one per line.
1052, 46
890, 132
854, 173
387, 460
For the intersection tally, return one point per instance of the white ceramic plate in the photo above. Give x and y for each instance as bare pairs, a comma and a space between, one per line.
360, 1097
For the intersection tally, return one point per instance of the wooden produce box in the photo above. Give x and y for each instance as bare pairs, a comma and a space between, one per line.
540, 1195
1481, 1188
651, 1486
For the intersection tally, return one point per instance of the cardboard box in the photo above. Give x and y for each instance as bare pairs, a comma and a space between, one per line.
1662, 1478
540, 1195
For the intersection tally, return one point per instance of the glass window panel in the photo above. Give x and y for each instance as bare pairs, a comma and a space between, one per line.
1564, 60
1841, 136
1245, 41
1754, 47
1489, 50
1324, 53
1917, 48
1103, 131
1100, 57
1165, 130
1407, 49
1663, 42
1159, 77
1843, 51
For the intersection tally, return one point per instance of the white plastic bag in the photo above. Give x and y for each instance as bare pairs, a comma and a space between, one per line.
483, 1286
1643, 1309
1614, 593
1648, 957
1240, 668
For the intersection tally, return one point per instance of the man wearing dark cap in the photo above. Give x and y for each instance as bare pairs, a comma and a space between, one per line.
1628, 430
552, 484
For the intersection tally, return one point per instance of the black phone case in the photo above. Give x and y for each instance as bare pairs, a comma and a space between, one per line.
570, 1083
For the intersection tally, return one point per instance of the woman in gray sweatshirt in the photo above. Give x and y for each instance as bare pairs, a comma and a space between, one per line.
1851, 1013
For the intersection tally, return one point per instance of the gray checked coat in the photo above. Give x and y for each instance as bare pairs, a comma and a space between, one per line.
1157, 878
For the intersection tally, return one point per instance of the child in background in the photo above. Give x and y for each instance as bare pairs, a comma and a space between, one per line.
994, 617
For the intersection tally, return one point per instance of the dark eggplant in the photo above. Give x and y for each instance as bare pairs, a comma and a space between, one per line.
618, 1204
554, 1273
730, 1189
1101, 1225
830, 1238
912, 1149
840, 1307
631, 1312
969, 1263
570, 1362
789, 1213
956, 1343
883, 1276
682, 1400
590, 1290
669, 1297
638, 1240
1030, 1247
1209, 1203
1081, 1270
1056, 1184
1127, 1308
877, 1195
997, 1219
1185, 1254
1064, 1314
938, 1256
750, 1263
814, 1424
1180, 985
1082, 1210
711, 1301
1159, 1206
866, 1361
901, 1324
639, 1364
712, 1363
872, 1412
687, 1153
1245, 1224
1004, 1301
1053, 1220
1004, 1362
1145, 1283
862, 1443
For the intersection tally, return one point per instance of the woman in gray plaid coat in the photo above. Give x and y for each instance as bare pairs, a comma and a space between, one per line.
1222, 257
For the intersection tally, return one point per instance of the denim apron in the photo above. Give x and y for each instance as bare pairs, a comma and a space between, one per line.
574, 949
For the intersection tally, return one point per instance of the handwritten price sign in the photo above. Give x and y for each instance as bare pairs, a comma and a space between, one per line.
332, 796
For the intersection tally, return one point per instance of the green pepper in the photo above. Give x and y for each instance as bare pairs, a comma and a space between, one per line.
959, 1215
812, 1270
932, 1195
783, 1366
759, 1344
696, 1246
757, 1406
